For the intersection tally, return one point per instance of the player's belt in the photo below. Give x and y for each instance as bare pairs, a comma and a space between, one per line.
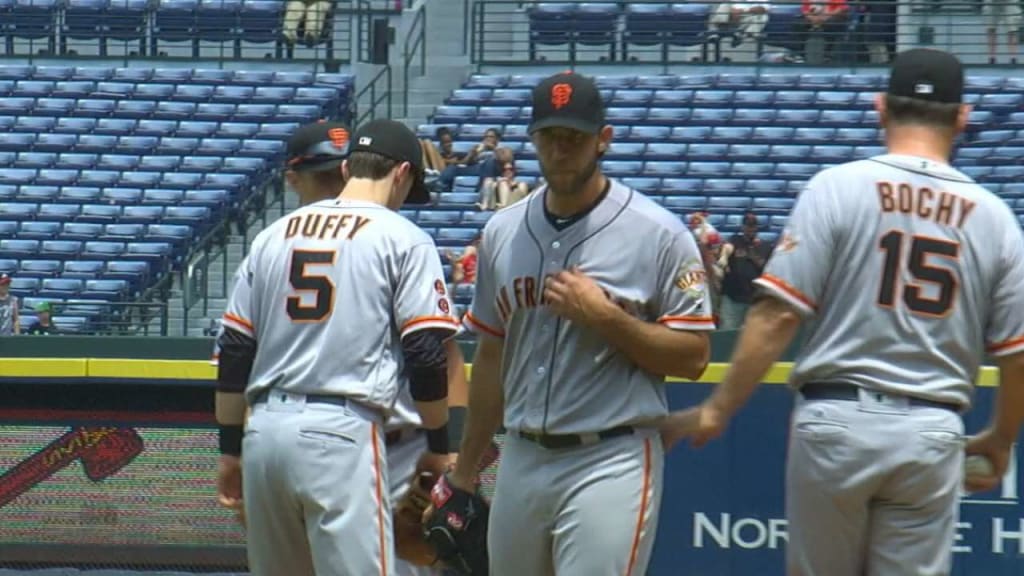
264, 395
559, 441
841, 391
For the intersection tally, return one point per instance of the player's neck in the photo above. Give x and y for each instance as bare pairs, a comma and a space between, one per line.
919, 142
376, 191
565, 205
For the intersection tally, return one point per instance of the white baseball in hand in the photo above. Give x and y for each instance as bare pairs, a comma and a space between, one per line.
976, 465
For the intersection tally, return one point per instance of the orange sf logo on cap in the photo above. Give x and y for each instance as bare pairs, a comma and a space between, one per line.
561, 95
338, 136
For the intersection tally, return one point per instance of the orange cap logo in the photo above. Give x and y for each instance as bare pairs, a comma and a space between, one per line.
338, 136
561, 95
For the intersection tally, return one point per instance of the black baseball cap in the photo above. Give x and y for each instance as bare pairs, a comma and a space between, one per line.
318, 146
396, 141
927, 74
567, 100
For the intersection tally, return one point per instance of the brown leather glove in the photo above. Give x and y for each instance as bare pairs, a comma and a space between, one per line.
410, 544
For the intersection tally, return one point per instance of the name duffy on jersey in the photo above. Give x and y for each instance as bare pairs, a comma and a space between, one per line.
322, 226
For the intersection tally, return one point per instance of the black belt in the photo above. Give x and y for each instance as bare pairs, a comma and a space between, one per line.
390, 439
559, 441
264, 395
841, 391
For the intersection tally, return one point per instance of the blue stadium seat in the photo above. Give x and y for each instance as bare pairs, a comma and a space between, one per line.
259, 22
271, 94
35, 20
469, 97
156, 163
212, 199
672, 98
137, 145
438, 218
122, 232
163, 196
8, 265
815, 135
221, 147
82, 231
753, 116
7, 122
41, 194
100, 213
780, 206
864, 152
59, 212
75, 125
724, 187
793, 99
136, 179
281, 131
681, 186
509, 97
72, 89
126, 20
974, 154
980, 119
16, 142
143, 214
35, 160
191, 216
817, 81
667, 116
751, 169
106, 289
247, 166
77, 161
771, 82
93, 108
95, 143
977, 173
82, 269
707, 152
795, 170
38, 230
649, 186
237, 130
132, 271
759, 187
708, 169
992, 137
24, 286
797, 117
39, 269
134, 109
176, 146
1014, 120
728, 204
57, 107
983, 84
33, 124
753, 98
16, 71
166, 110
665, 151
19, 249
731, 134
685, 204
827, 154
153, 252
494, 81
668, 169
261, 149
859, 82
123, 196
32, 89
115, 90
688, 134
154, 92
841, 118
8, 192
174, 21
120, 162
748, 152
60, 288
648, 133
1013, 190
251, 113
54, 73
857, 136
710, 116
204, 163
1006, 173
99, 178
17, 176
789, 152
1007, 155
78, 194
223, 181
193, 93
99, 250
454, 114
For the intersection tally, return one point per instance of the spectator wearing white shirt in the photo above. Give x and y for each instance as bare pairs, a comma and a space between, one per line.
744, 19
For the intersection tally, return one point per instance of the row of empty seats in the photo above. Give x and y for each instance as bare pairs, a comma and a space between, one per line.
148, 127
343, 83
145, 90
160, 110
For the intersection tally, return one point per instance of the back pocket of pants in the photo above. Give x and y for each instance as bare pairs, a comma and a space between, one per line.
819, 430
943, 437
327, 435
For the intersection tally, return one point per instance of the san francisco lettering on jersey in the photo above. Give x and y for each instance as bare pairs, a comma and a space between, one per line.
321, 225
524, 292
938, 205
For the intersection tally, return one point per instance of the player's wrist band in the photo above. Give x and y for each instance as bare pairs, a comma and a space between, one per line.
231, 439
437, 440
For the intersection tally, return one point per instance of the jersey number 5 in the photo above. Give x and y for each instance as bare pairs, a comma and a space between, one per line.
943, 277
320, 286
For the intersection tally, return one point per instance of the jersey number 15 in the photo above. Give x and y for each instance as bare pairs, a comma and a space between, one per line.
320, 286
943, 277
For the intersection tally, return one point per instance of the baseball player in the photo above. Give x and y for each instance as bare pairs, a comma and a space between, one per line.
336, 303
313, 171
588, 294
908, 273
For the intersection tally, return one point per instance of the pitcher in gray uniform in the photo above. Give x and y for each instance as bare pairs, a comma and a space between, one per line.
908, 273
336, 309
588, 294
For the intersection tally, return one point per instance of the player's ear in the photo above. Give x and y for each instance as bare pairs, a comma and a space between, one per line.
880, 108
605, 137
963, 116
344, 170
292, 177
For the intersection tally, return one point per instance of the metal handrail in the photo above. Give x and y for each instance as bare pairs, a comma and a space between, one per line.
382, 76
415, 44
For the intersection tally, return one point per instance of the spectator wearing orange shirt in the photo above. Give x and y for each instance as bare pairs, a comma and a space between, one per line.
822, 29
464, 265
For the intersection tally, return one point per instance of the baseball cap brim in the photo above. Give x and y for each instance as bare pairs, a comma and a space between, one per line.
565, 122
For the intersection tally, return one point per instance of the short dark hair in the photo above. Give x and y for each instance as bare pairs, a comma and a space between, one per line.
363, 164
329, 180
902, 110
443, 130
497, 132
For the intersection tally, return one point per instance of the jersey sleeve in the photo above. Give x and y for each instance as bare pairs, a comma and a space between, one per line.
684, 298
482, 316
421, 297
240, 314
799, 265
1004, 330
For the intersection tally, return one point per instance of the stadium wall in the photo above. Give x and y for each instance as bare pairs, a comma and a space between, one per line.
109, 456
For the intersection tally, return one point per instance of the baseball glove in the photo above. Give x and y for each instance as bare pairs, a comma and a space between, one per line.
410, 541
457, 528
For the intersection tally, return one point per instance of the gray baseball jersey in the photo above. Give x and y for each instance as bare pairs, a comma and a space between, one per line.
8, 312
329, 291
560, 378
909, 271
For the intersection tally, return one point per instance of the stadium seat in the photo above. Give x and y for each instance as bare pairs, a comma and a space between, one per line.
41, 194
132, 271
17, 176
190, 216
141, 214
59, 212
95, 143
35, 160
154, 163
154, 92
18, 248
123, 196
35, 20
690, 134
78, 194
723, 186
75, 125
105, 289
153, 252
82, 269
83, 231
56, 107
77, 161
100, 213
38, 230
706, 152
162, 196
23, 286
122, 232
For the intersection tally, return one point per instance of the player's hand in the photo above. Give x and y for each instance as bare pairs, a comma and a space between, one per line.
699, 425
577, 297
994, 447
229, 484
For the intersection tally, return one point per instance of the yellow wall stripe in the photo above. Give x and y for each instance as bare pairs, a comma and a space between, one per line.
135, 369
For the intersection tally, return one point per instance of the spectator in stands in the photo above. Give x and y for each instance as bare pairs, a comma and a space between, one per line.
1005, 16
823, 29
482, 153
742, 260
709, 241
44, 324
505, 189
439, 157
464, 265
743, 20
10, 324
312, 14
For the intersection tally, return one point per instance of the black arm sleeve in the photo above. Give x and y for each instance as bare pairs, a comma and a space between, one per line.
237, 352
426, 360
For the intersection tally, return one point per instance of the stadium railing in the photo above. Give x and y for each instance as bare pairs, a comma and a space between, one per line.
378, 89
510, 32
414, 48
146, 316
